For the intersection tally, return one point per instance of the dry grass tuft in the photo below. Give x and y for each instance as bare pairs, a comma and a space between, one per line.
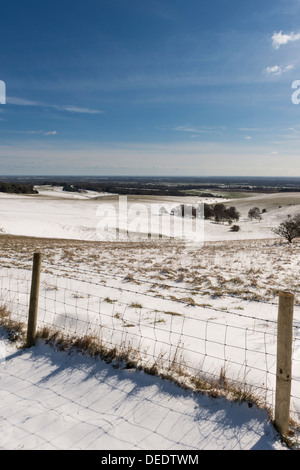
16, 330
89, 345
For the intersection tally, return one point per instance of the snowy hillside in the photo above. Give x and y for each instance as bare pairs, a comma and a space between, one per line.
156, 295
54, 213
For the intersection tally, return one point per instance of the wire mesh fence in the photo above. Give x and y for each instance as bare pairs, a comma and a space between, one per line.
201, 340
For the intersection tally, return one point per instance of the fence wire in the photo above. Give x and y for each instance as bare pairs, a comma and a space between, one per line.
203, 341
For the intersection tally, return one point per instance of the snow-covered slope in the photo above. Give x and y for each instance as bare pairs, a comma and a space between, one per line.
95, 406
52, 400
57, 214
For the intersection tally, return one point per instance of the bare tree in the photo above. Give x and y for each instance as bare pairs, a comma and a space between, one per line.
289, 228
254, 213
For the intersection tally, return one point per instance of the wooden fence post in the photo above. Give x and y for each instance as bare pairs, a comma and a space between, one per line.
284, 361
34, 298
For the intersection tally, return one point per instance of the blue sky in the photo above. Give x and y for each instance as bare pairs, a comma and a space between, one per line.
160, 87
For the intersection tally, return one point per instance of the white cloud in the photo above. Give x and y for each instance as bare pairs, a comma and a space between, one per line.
280, 39
193, 130
289, 67
42, 132
77, 109
22, 102
278, 69
69, 108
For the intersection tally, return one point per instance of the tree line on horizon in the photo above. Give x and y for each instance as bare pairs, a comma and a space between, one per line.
16, 188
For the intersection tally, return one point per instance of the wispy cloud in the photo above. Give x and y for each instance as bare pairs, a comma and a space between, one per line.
280, 39
42, 132
68, 108
77, 109
278, 69
50, 133
193, 130
22, 102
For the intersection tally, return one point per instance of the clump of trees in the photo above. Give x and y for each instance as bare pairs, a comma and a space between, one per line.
254, 213
289, 228
220, 213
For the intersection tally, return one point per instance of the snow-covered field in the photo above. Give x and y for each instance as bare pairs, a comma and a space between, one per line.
59, 214
212, 308
51, 400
